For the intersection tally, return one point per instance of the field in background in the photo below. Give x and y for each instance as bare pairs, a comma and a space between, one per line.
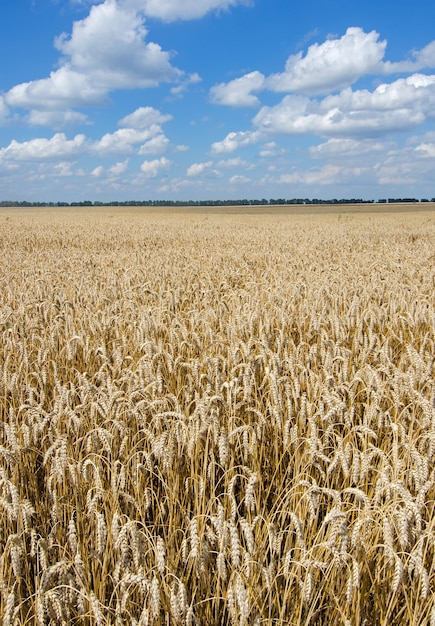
270, 209
213, 418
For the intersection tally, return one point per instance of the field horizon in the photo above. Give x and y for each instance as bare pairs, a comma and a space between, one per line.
270, 209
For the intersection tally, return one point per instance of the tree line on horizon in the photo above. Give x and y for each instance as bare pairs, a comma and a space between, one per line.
243, 202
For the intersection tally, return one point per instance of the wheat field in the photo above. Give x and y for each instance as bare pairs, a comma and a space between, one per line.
217, 420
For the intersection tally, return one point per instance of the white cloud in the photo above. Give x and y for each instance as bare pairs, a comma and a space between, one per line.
331, 65
142, 140
4, 111
56, 119
177, 185
144, 117
235, 140
63, 169
58, 147
118, 168
146, 124
238, 92
325, 175
326, 67
415, 93
156, 145
193, 79
232, 163
351, 162
98, 171
152, 169
109, 46
424, 58
270, 149
105, 51
123, 140
63, 89
345, 148
397, 174
198, 168
239, 180
401, 105
392, 107
426, 150
170, 10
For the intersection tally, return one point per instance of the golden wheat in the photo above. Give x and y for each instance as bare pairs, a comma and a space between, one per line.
217, 420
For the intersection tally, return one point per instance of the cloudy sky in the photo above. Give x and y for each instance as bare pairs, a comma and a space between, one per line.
197, 99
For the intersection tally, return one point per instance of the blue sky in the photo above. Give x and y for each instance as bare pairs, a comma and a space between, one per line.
216, 99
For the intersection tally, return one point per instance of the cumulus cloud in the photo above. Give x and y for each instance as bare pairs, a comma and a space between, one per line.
425, 58
420, 59
122, 141
214, 169
232, 163
238, 92
426, 150
118, 168
404, 104
144, 117
198, 168
345, 148
321, 176
380, 162
235, 140
326, 67
151, 169
414, 92
192, 79
401, 105
147, 138
156, 145
63, 89
63, 169
170, 10
105, 51
239, 180
270, 149
4, 111
109, 46
57, 147
146, 123
391, 172
56, 119
331, 65
97, 171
